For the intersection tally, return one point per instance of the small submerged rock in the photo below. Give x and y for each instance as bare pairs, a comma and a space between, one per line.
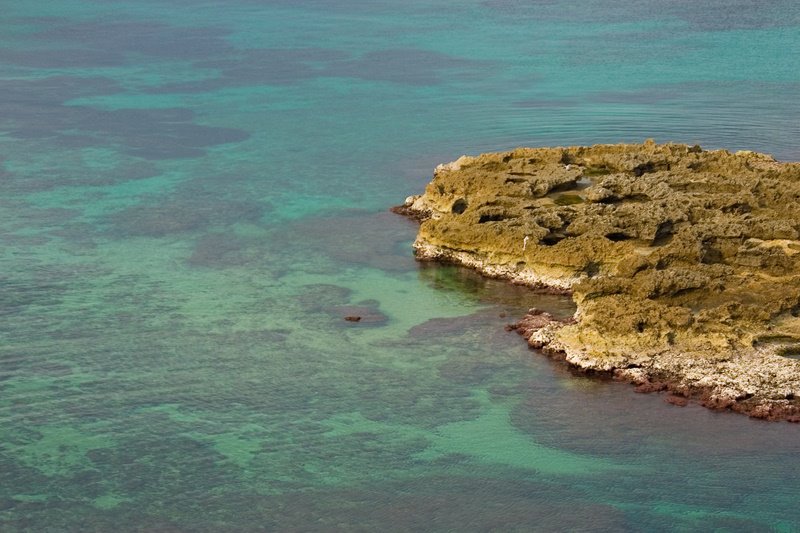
365, 313
684, 263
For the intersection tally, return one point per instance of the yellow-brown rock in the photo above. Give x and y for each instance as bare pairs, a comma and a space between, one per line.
684, 263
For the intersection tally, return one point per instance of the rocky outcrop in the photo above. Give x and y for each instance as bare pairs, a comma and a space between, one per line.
684, 263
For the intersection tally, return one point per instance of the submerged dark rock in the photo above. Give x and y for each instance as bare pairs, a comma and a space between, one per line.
366, 313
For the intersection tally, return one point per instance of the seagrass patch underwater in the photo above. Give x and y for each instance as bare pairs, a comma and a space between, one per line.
194, 196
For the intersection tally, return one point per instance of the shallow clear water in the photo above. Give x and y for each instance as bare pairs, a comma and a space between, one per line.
193, 196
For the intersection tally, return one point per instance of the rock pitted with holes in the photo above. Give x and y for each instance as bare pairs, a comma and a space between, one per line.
684, 263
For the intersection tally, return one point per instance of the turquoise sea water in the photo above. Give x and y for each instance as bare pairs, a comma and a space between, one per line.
194, 194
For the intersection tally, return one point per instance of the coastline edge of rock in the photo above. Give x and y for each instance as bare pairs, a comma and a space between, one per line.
684, 263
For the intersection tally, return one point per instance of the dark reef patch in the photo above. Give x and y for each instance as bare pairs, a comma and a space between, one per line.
105, 42
38, 110
381, 242
43, 93
218, 250
277, 66
730, 15
181, 215
406, 66
445, 503
53, 177
317, 296
262, 66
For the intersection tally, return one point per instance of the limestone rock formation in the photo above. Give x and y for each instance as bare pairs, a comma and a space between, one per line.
684, 263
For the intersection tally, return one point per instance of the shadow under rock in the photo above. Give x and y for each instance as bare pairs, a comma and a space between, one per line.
518, 298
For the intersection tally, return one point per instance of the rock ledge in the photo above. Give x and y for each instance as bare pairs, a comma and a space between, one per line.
683, 262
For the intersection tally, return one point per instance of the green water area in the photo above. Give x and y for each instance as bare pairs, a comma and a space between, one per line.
194, 196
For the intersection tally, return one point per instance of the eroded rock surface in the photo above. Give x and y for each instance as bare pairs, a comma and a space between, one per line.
684, 263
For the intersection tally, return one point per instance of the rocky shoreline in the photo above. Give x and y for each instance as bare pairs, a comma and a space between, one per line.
684, 263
